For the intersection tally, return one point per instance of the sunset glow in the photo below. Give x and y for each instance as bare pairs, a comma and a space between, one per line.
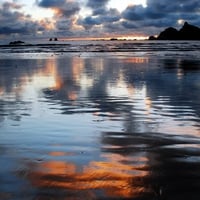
91, 18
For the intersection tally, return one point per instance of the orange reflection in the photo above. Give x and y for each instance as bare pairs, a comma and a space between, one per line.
72, 95
137, 60
131, 89
148, 105
50, 70
78, 65
49, 76
58, 167
112, 176
57, 153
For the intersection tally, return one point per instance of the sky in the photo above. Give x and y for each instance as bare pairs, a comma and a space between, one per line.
125, 19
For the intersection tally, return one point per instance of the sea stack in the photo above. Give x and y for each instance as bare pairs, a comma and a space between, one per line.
187, 32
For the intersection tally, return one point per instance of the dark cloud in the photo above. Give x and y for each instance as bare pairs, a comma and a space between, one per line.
22, 29
112, 16
91, 21
69, 10
107, 16
65, 8
133, 13
51, 3
175, 6
98, 7
12, 21
161, 13
99, 11
129, 25
95, 4
64, 28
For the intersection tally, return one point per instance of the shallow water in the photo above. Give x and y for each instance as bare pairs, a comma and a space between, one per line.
91, 125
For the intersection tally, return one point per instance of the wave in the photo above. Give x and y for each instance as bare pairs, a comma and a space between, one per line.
105, 46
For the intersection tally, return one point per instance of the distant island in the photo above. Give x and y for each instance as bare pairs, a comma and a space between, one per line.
187, 32
18, 42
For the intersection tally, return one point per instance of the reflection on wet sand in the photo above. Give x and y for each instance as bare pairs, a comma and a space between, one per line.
132, 166
112, 177
137, 60
128, 128
134, 88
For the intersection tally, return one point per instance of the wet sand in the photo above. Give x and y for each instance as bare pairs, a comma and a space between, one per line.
99, 126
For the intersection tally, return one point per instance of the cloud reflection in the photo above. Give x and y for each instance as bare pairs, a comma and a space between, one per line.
112, 177
122, 89
135, 117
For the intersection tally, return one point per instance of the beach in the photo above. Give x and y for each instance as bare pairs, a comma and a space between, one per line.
100, 120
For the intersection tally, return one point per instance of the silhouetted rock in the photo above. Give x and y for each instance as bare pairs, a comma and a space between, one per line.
17, 43
113, 39
53, 39
152, 38
169, 34
187, 32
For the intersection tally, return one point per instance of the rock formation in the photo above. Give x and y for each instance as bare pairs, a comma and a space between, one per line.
187, 32
17, 43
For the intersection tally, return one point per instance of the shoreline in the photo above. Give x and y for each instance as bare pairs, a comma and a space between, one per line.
163, 49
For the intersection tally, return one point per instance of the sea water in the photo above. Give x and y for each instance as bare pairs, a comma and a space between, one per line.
100, 120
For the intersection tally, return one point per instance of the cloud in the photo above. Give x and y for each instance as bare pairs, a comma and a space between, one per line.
98, 7
176, 6
103, 17
160, 14
11, 5
65, 14
70, 9
51, 3
95, 4
66, 8
150, 19
157, 9
134, 13
97, 17
13, 21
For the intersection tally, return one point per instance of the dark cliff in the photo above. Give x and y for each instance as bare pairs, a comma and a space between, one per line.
187, 32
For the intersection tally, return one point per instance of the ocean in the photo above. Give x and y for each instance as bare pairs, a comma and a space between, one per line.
100, 120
